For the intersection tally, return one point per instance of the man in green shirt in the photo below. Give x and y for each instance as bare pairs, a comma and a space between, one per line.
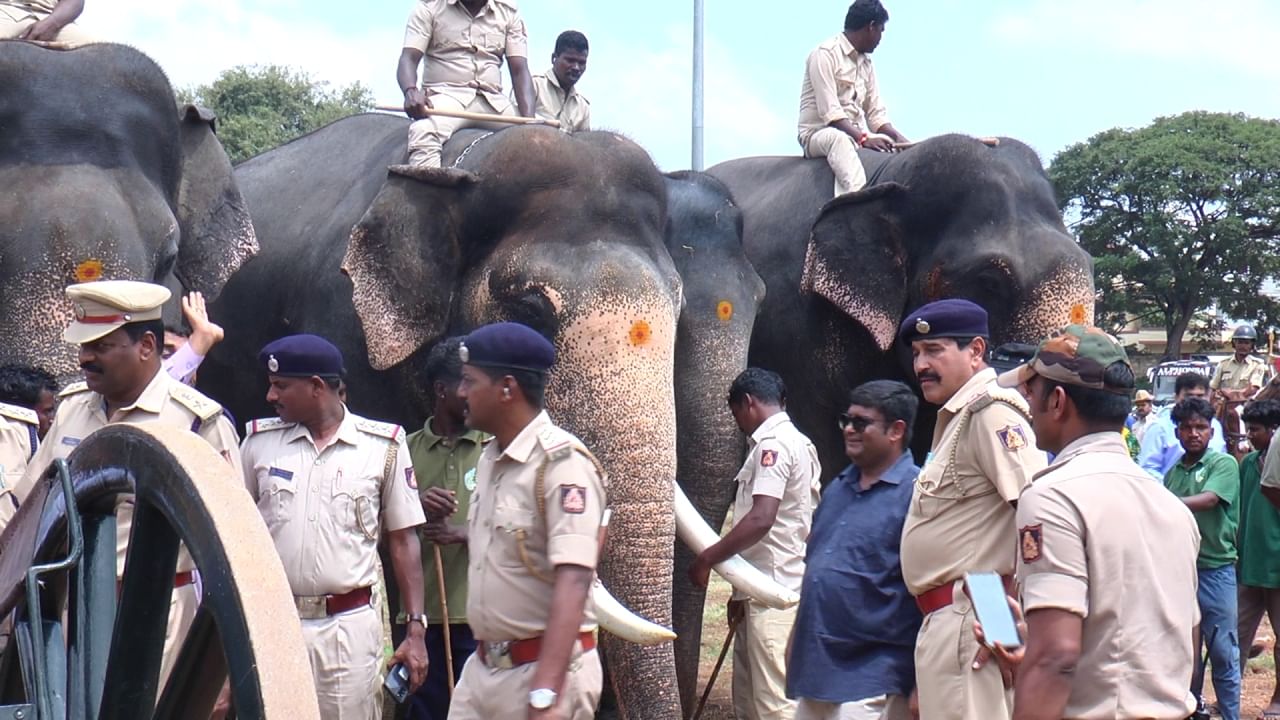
1259, 537
1208, 482
444, 454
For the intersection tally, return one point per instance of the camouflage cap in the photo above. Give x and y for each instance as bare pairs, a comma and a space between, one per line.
1077, 355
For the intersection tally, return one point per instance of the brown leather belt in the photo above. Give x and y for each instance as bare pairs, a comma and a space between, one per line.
316, 607
507, 654
931, 601
184, 579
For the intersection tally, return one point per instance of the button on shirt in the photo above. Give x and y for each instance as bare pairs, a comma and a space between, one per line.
464, 52
1161, 449
839, 84
1100, 540
325, 509
1219, 474
781, 463
437, 462
856, 626
506, 600
571, 108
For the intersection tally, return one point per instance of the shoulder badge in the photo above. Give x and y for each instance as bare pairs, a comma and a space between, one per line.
390, 431
195, 401
556, 442
74, 388
768, 458
1012, 437
262, 425
21, 414
1031, 542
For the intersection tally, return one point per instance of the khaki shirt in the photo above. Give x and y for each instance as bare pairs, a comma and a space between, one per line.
38, 7
572, 109
464, 52
18, 442
961, 520
164, 400
437, 462
507, 600
326, 508
1232, 375
1098, 539
839, 83
781, 463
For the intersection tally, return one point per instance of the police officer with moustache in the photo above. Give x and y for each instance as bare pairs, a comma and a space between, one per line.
328, 483
961, 517
533, 536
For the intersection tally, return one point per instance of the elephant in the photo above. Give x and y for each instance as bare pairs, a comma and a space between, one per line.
567, 234
102, 176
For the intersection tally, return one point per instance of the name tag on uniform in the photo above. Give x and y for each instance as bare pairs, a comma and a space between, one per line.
280, 473
71, 441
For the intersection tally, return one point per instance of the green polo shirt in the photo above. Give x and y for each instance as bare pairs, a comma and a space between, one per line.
439, 463
1217, 473
1259, 529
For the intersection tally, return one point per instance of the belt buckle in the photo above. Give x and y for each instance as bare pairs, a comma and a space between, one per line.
312, 607
497, 655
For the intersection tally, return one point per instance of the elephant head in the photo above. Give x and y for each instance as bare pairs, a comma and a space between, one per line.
105, 184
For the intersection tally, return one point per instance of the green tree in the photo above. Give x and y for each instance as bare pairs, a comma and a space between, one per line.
1179, 216
260, 108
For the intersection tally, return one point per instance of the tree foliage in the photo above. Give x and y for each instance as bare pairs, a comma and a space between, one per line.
260, 108
1179, 216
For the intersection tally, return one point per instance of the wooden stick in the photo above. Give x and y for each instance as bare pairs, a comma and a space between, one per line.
444, 618
988, 141
715, 672
480, 117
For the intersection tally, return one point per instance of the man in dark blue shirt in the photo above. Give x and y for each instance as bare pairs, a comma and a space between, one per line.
855, 631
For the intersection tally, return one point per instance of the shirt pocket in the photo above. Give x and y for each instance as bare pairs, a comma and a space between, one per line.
513, 532
355, 505
276, 499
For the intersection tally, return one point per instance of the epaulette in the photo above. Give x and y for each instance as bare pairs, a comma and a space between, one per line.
19, 413
193, 400
556, 442
264, 424
390, 431
1006, 396
74, 388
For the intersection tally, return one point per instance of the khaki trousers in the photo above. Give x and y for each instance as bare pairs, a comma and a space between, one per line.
346, 662
949, 687
885, 707
183, 604
841, 153
428, 136
760, 664
14, 21
484, 693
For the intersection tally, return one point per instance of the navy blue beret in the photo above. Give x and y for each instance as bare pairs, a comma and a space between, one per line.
302, 356
945, 319
508, 345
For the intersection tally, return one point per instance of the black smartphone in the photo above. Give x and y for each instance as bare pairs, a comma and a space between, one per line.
397, 683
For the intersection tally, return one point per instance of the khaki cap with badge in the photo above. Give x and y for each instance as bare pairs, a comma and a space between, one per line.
104, 306
1078, 355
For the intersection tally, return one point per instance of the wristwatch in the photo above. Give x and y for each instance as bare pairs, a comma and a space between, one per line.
419, 618
542, 698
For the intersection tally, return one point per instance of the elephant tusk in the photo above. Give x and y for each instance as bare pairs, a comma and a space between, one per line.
695, 533
619, 621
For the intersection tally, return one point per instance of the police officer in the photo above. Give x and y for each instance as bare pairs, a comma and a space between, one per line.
19, 440
558, 97
328, 482
1094, 533
961, 517
120, 332
464, 43
533, 541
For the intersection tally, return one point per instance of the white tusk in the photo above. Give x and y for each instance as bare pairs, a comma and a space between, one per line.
695, 533
619, 621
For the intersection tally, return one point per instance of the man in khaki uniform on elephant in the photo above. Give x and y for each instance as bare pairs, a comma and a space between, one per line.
43, 20
558, 97
961, 517
464, 43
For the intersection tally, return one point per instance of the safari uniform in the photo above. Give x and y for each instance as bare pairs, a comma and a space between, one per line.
839, 83
165, 401
325, 510
537, 504
19, 440
1094, 535
571, 108
464, 54
1232, 375
781, 463
18, 15
961, 521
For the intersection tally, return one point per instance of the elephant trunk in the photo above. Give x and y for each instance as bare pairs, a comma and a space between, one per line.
31, 324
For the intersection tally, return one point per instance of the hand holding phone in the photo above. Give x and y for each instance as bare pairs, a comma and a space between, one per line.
397, 683
986, 593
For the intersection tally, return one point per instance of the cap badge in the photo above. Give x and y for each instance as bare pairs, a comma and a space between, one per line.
79, 311
922, 326
273, 364
464, 353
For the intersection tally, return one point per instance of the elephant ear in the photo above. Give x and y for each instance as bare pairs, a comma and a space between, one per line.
405, 259
217, 232
857, 259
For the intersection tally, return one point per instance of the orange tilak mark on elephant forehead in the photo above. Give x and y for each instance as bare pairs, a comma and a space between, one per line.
724, 311
1077, 314
640, 333
89, 271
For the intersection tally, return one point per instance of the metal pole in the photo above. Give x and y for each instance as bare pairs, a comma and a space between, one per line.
697, 84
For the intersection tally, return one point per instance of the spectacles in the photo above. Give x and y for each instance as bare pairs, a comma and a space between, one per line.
857, 422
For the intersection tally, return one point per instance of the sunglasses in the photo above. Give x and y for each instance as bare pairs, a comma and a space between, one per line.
858, 423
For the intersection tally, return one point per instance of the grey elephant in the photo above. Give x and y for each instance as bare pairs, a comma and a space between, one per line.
101, 176
567, 234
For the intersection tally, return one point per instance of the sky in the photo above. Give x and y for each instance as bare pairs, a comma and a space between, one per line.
1048, 72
